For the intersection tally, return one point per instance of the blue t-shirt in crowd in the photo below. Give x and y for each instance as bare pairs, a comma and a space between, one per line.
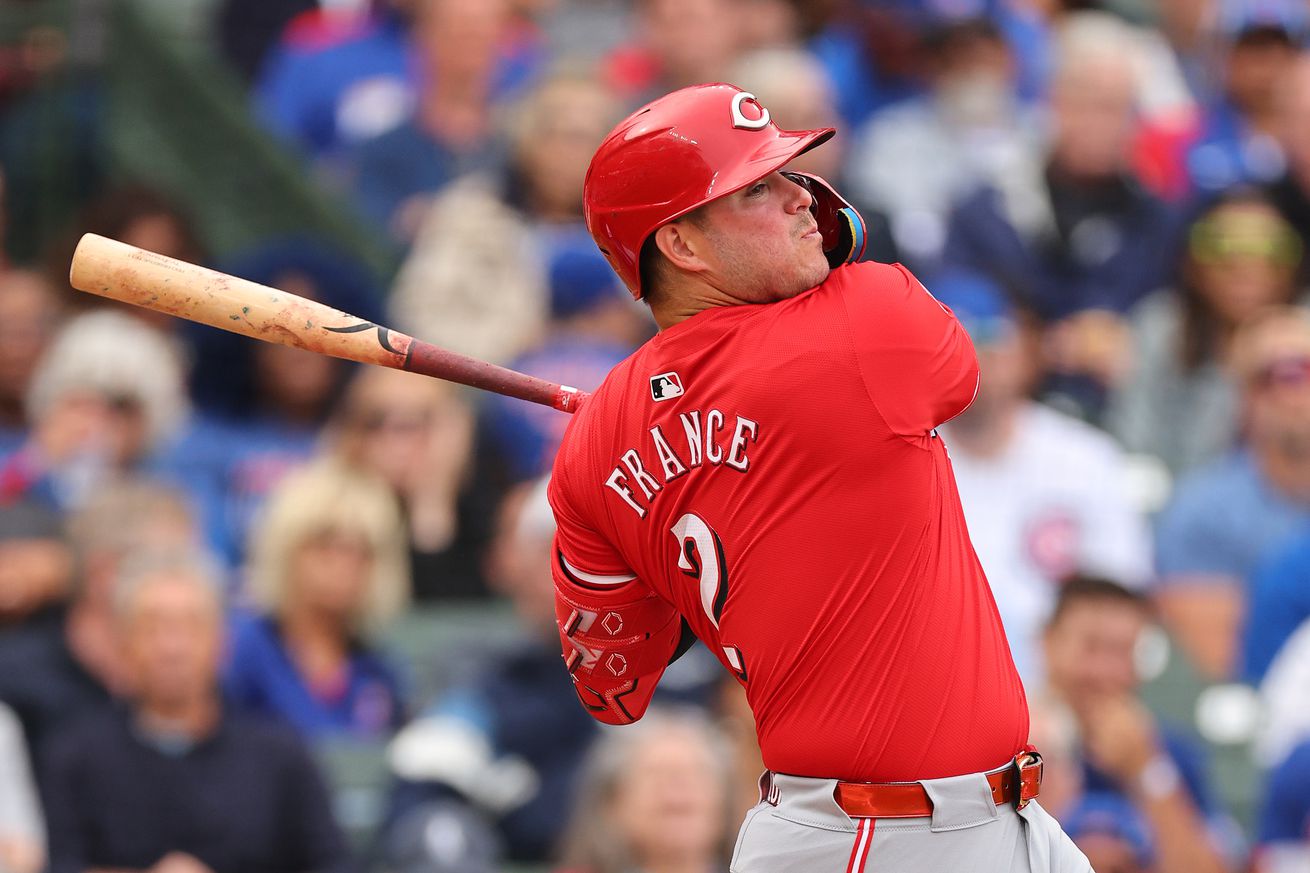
1279, 604
1286, 817
1223, 520
262, 678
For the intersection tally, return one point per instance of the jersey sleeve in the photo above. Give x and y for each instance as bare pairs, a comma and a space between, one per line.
616, 634
918, 363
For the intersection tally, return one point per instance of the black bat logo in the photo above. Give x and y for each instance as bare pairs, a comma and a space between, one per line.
384, 335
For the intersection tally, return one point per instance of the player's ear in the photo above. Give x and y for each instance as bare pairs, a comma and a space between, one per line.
683, 245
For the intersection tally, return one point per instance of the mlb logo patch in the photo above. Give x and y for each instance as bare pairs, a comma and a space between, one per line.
665, 386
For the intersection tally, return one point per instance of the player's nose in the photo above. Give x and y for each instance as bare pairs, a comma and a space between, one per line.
800, 199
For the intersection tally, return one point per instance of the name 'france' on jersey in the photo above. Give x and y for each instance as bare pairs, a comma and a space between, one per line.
773, 472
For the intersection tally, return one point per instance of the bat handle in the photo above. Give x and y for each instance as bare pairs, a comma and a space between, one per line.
429, 360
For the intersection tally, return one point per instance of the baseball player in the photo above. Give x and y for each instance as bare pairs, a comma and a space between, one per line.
765, 475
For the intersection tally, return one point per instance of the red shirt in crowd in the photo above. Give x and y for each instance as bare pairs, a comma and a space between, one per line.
773, 473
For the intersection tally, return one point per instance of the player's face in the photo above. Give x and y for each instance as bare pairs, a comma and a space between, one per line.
764, 244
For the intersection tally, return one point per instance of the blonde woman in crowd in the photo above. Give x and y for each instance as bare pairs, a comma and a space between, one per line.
653, 797
327, 569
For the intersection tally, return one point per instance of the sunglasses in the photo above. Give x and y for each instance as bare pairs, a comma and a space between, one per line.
1220, 239
375, 421
1283, 372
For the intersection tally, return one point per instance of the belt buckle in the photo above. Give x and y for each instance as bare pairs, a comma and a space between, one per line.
1026, 761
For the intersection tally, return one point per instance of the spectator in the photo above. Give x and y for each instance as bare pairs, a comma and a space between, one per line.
676, 43
475, 281
1292, 191
1238, 141
60, 659
327, 570
1087, 242
104, 400
417, 434
1284, 823
594, 325
173, 781
1090, 640
652, 797
796, 88
137, 215
29, 317
22, 827
263, 406
1044, 495
341, 76
394, 176
1225, 517
326, 81
1241, 257
506, 739
917, 159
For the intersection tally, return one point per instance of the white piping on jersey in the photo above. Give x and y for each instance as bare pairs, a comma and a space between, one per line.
594, 578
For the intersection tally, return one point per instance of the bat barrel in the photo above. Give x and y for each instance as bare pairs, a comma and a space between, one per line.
131, 275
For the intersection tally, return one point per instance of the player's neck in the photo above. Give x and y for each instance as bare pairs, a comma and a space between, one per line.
687, 296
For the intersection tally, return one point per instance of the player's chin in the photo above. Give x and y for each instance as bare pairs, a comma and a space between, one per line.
815, 270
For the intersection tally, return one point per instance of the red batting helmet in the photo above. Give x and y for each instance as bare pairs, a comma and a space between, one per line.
686, 149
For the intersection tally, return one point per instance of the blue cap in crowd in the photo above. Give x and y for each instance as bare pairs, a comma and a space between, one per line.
580, 278
1109, 815
978, 302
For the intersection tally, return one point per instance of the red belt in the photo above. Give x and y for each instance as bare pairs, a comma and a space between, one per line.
1017, 784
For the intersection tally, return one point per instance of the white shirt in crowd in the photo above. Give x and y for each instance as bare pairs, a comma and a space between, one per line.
1055, 502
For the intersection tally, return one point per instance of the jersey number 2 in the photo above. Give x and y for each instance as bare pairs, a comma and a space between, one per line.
700, 556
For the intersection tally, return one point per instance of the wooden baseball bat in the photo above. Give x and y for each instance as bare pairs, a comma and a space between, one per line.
122, 272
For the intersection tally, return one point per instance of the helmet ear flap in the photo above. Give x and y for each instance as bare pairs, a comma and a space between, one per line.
841, 224
850, 238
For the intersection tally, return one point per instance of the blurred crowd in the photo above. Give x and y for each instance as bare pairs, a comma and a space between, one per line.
209, 546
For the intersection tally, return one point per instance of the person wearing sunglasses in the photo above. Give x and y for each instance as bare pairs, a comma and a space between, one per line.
1179, 402
1226, 517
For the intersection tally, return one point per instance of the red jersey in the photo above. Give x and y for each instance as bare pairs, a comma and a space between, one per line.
772, 472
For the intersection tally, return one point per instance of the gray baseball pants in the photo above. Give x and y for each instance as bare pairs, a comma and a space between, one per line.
799, 828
